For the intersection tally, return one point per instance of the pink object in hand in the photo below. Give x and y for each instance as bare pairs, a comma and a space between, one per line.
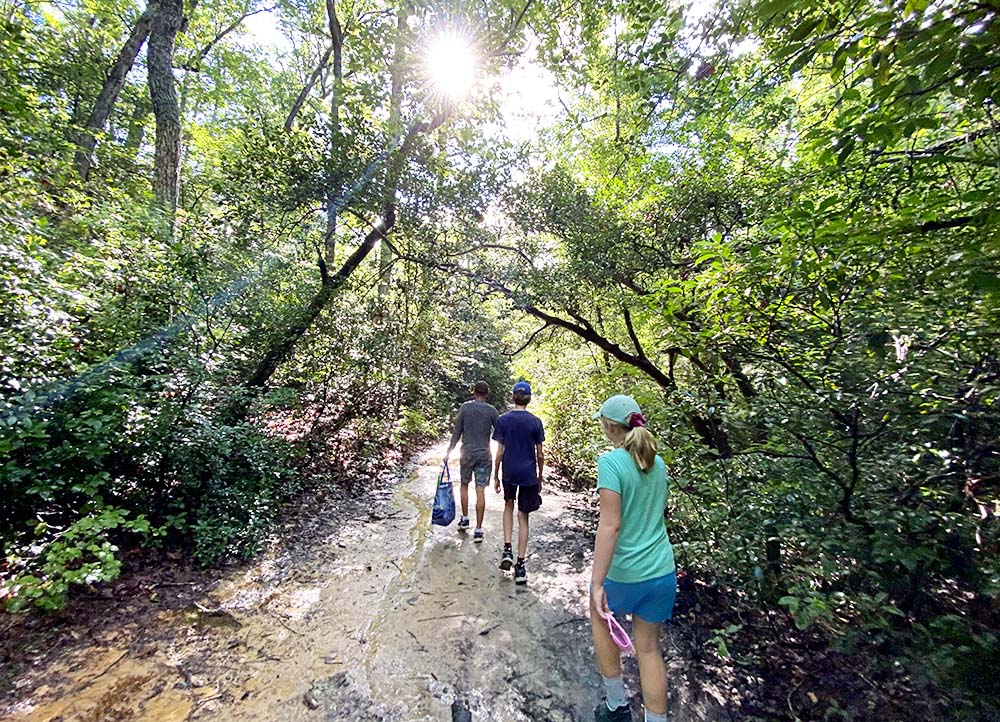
618, 634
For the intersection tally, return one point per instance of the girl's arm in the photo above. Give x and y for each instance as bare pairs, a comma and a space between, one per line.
604, 547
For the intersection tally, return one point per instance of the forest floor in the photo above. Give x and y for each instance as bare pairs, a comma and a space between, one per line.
361, 610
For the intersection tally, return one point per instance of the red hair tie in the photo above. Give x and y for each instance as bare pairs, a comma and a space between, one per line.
636, 420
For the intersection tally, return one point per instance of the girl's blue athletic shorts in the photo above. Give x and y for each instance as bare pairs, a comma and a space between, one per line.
651, 600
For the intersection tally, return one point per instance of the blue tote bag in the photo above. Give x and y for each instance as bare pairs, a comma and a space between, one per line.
443, 513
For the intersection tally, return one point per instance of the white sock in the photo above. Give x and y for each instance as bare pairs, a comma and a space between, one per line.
651, 717
614, 692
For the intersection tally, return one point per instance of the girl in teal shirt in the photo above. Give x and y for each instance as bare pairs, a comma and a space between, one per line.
633, 561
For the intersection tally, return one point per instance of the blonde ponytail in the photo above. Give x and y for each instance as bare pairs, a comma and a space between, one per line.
641, 446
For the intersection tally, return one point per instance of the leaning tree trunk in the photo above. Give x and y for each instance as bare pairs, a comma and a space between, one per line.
109, 94
285, 342
300, 99
167, 21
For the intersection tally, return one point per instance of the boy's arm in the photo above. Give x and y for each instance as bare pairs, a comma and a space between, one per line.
540, 451
456, 434
496, 467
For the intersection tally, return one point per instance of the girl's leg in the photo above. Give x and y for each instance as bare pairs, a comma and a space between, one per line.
522, 534
508, 520
652, 670
609, 660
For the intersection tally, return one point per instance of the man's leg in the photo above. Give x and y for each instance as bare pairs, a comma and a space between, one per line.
465, 476
508, 520
480, 505
522, 532
652, 670
482, 477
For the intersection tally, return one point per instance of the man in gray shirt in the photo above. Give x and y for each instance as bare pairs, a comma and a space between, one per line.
474, 425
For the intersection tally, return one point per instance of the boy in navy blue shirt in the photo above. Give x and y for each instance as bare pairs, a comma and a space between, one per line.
518, 466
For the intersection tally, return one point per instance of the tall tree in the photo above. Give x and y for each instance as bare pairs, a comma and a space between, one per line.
395, 114
168, 18
337, 53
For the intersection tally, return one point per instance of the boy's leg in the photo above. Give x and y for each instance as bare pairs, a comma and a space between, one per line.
522, 533
508, 520
652, 670
529, 500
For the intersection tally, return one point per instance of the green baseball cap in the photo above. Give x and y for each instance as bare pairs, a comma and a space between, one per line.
618, 408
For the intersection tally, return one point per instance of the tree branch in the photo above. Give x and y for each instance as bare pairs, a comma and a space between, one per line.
527, 343
307, 88
631, 332
203, 53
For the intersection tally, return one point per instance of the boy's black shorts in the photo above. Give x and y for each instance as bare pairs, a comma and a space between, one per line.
529, 498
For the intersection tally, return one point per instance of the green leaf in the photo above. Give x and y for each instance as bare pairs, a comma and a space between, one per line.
845, 148
985, 281
801, 61
769, 8
790, 603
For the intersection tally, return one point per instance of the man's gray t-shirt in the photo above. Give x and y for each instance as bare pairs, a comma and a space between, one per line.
474, 425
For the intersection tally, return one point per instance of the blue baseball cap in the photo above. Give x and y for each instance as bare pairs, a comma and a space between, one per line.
618, 408
521, 387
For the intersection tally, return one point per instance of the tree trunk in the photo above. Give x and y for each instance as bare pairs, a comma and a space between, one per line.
773, 587
395, 114
109, 94
137, 124
337, 45
167, 21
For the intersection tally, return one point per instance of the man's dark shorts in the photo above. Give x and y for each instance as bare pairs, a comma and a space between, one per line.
476, 466
529, 498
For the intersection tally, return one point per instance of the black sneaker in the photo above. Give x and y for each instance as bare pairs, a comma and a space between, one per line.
477, 536
507, 559
463, 523
521, 576
620, 714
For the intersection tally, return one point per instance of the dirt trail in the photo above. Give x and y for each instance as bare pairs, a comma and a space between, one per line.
382, 617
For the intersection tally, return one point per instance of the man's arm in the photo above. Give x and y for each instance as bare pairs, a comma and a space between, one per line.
456, 434
540, 460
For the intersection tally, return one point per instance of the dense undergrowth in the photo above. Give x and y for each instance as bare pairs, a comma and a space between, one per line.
902, 590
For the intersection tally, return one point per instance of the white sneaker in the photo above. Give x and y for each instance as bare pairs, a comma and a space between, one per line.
463, 523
